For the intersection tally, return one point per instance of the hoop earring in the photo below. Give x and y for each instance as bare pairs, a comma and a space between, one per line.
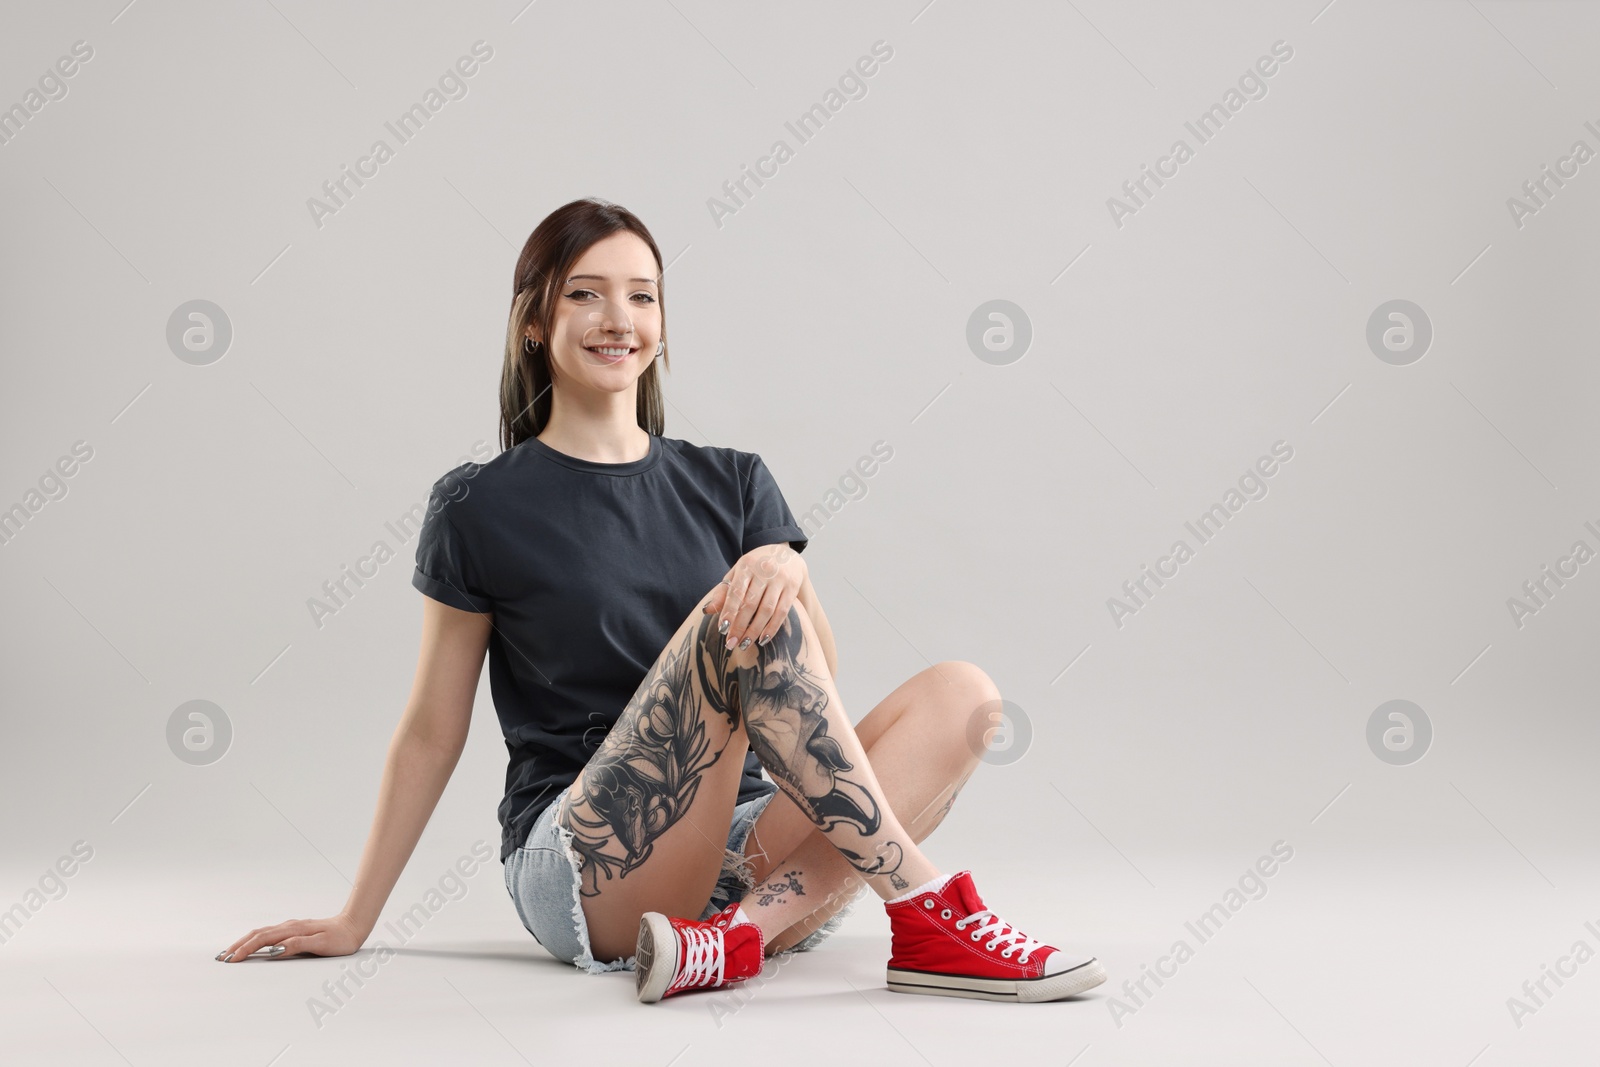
661, 346
529, 345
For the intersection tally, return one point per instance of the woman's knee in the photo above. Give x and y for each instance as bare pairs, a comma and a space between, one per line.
961, 693
961, 677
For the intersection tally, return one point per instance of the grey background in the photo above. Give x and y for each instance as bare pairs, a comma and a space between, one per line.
829, 313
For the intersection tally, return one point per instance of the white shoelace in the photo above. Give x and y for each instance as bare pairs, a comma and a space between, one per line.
702, 957
989, 924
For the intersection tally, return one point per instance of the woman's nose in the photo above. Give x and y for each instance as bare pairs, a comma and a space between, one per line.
612, 318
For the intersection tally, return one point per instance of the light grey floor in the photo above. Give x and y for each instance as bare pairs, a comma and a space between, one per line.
1345, 959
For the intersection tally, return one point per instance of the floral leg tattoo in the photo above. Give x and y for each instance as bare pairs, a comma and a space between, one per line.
645, 774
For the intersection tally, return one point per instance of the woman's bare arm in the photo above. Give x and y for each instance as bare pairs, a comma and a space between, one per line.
422, 755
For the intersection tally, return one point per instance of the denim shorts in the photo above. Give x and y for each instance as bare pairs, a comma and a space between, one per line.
543, 880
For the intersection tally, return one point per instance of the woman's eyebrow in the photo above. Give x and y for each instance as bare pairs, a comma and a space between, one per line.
602, 278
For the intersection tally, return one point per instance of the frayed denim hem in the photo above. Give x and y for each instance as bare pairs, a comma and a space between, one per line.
585, 960
738, 868
736, 872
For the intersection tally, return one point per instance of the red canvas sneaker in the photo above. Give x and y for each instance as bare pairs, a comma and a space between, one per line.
947, 944
675, 955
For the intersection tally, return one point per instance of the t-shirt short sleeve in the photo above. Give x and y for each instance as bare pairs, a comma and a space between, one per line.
446, 569
767, 518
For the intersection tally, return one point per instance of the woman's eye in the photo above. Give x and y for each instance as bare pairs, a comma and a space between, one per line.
580, 293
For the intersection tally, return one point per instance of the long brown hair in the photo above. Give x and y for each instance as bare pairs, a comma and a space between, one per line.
551, 250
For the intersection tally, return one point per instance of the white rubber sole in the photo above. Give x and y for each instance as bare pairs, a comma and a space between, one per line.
656, 957
1020, 991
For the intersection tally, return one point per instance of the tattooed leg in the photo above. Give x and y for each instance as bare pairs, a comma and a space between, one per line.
655, 797
644, 776
821, 881
917, 739
799, 731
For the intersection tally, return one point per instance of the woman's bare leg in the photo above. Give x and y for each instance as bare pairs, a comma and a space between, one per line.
649, 812
798, 729
916, 740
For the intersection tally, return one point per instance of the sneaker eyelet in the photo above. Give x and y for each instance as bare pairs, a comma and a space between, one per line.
1007, 953
928, 903
945, 914
974, 935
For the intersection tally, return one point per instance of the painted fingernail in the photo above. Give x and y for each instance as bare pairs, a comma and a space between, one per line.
764, 639
744, 644
218, 956
724, 627
228, 958
276, 950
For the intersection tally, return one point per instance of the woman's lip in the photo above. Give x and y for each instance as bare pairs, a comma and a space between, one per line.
611, 359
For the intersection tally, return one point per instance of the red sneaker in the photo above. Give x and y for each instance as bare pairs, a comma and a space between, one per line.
947, 944
675, 954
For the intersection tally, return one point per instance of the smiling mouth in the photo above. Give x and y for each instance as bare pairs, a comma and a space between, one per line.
611, 353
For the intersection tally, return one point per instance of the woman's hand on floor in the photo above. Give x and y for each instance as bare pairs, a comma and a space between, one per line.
336, 936
755, 595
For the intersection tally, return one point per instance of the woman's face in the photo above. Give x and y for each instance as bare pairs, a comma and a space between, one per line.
607, 316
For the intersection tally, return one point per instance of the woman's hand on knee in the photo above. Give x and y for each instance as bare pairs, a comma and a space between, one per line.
335, 936
755, 595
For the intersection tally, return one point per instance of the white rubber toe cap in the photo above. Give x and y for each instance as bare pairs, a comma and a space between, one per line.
1061, 962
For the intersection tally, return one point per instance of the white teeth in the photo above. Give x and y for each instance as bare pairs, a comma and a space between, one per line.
611, 351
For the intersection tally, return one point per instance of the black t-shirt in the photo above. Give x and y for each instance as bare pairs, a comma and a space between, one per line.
588, 569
